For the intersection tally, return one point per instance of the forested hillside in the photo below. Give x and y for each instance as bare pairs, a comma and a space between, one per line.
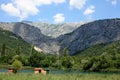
11, 46
13, 43
101, 57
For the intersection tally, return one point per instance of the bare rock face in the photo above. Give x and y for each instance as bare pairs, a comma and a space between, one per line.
51, 38
55, 30
96, 32
32, 35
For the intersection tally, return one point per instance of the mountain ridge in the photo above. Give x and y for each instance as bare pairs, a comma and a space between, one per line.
82, 37
96, 32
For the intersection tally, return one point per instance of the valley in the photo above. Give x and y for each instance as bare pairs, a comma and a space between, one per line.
91, 49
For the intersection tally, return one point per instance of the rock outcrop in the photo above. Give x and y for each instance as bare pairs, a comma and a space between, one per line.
75, 37
96, 32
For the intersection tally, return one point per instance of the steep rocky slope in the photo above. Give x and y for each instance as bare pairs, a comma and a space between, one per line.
96, 32
55, 30
46, 38
41, 35
32, 35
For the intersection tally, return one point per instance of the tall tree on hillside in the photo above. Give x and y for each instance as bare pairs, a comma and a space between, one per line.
65, 52
31, 50
3, 49
18, 50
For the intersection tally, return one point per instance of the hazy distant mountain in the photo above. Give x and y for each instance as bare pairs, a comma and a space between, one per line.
55, 30
74, 36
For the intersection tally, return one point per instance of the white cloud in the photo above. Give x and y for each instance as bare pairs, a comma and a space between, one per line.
9, 8
58, 18
113, 2
89, 10
58, 1
79, 4
25, 8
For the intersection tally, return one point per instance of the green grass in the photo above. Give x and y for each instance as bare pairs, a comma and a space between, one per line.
30, 76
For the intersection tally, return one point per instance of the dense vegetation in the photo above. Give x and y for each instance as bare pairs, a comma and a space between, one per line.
102, 57
11, 46
29, 76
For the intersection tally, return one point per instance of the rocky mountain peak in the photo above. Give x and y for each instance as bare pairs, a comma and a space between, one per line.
51, 38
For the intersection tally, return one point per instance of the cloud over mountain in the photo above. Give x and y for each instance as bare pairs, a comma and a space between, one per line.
24, 8
89, 11
58, 18
79, 4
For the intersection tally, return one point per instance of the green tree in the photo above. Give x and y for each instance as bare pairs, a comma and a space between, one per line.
45, 63
18, 50
24, 59
31, 50
3, 50
67, 62
88, 64
65, 52
16, 65
15, 57
35, 59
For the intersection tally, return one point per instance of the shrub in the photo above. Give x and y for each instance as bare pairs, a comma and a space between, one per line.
16, 65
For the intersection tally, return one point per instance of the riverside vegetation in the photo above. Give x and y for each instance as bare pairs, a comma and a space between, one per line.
27, 76
101, 57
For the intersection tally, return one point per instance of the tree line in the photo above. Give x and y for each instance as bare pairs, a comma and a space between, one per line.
107, 61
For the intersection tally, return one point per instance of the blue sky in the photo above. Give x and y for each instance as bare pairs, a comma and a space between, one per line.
58, 11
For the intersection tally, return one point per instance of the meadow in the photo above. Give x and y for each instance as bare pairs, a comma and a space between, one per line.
30, 76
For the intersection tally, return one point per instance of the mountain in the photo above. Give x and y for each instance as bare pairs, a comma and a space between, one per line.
51, 38
34, 35
13, 43
99, 49
55, 30
96, 32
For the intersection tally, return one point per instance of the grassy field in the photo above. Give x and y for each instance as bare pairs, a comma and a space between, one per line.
30, 76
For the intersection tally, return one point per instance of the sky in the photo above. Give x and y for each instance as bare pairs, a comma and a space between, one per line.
58, 11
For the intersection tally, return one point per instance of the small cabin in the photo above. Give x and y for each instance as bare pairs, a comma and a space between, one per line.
39, 70
10, 71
